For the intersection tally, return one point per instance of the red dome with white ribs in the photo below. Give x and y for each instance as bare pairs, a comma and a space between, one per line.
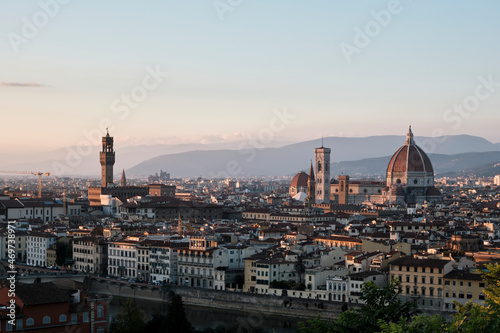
410, 158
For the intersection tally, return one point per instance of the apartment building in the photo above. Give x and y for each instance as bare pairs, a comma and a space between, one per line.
463, 286
143, 264
122, 258
163, 261
90, 255
422, 280
20, 245
37, 244
196, 263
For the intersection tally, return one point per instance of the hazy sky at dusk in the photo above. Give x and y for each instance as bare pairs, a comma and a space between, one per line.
227, 77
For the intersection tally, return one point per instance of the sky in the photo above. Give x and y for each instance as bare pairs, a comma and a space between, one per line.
220, 70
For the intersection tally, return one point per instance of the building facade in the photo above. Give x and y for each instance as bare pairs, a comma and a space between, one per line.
37, 244
122, 259
196, 264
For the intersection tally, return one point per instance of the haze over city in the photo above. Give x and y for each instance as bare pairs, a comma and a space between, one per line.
214, 73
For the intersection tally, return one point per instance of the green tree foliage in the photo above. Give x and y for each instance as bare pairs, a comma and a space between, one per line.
131, 319
473, 317
155, 324
176, 320
418, 324
381, 304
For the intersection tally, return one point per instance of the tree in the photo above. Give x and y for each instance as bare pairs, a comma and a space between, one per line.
417, 324
381, 305
176, 320
473, 317
131, 319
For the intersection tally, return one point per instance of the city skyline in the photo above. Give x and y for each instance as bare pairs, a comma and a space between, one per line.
210, 72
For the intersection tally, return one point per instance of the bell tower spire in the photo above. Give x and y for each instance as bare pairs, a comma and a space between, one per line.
107, 159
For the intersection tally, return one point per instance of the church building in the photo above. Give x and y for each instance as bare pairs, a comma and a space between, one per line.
409, 180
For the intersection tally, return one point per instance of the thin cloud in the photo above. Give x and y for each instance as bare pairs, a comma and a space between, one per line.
21, 84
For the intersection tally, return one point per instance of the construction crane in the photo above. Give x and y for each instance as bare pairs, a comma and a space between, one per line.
36, 173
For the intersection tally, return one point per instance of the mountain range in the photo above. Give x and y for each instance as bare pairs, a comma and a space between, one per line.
366, 156
355, 156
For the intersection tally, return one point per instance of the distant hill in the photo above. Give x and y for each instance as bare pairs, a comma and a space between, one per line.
363, 156
293, 158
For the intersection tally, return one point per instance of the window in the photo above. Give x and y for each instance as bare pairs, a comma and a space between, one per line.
100, 311
8, 327
19, 324
74, 318
46, 320
62, 318
85, 317
30, 322
481, 297
481, 284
